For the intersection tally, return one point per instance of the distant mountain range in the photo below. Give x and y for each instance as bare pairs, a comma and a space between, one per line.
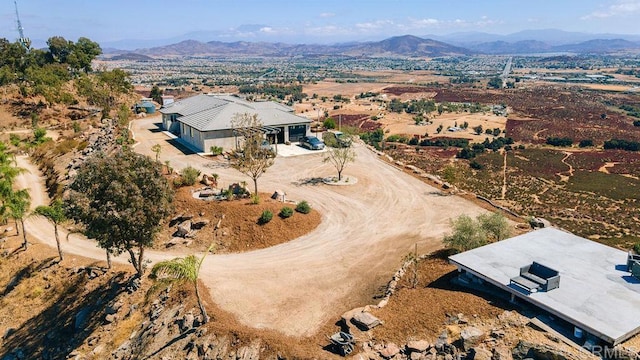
401, 46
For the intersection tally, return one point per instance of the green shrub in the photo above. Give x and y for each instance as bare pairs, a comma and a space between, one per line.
266, 216
329, 123
286, 212
189, 175
476, 165
303, 207
216, 150
15, 139
636, 248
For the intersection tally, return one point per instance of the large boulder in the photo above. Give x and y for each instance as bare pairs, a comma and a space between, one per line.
471, 337
418, 346
365, 320
527, 350
479, 353
390, 351
184, 228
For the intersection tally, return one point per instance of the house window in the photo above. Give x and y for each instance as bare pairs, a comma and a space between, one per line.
191, 131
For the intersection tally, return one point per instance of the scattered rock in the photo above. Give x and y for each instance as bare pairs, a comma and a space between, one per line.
418, 346
184, 228
98, 350
471, 337
390, 350
366, 320
526, 350
481, 354
109, 318
497, 333
502, 353
453, 333
347, 316
186, 323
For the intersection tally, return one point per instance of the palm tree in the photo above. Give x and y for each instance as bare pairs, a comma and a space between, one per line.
180, 270
55, 214
18, 206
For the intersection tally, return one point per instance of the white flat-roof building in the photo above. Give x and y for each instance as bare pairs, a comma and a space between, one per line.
596, 293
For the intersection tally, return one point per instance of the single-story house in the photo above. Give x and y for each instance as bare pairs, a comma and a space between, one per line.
204, 120
587, 284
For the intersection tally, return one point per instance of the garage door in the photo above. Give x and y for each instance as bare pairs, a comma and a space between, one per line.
296, 132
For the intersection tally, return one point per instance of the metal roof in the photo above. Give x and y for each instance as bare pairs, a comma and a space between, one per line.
215, 112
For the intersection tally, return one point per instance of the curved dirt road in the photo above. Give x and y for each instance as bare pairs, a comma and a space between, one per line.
297, 286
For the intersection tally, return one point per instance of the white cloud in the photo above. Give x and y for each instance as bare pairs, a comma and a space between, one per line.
327, 15
268, 30
375, 25
618, 8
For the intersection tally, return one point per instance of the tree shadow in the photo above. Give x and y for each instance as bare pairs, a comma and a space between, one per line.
309, 181
171, 342
73, 316
26, 273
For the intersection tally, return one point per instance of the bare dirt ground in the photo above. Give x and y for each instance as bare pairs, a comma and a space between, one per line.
298, 286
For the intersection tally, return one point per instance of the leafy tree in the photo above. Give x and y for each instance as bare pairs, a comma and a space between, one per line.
18, 206
586, 143
495, 225
84, 52
466, 234
557, 141
495, 83
185, 269
329, 123
59, 49
121, 199
55, 213
477, 129
469, 233
156, 94
339, 157
251, 158
105, 88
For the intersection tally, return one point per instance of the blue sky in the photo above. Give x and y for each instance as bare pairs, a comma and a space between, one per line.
326, 21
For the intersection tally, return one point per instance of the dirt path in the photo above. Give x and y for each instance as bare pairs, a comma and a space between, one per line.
605, 168
565, 178
297, 286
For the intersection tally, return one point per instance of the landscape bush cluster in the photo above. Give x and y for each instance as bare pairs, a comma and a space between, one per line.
302, 207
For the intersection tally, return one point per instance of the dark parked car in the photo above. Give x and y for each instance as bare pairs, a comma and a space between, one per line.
311, 143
